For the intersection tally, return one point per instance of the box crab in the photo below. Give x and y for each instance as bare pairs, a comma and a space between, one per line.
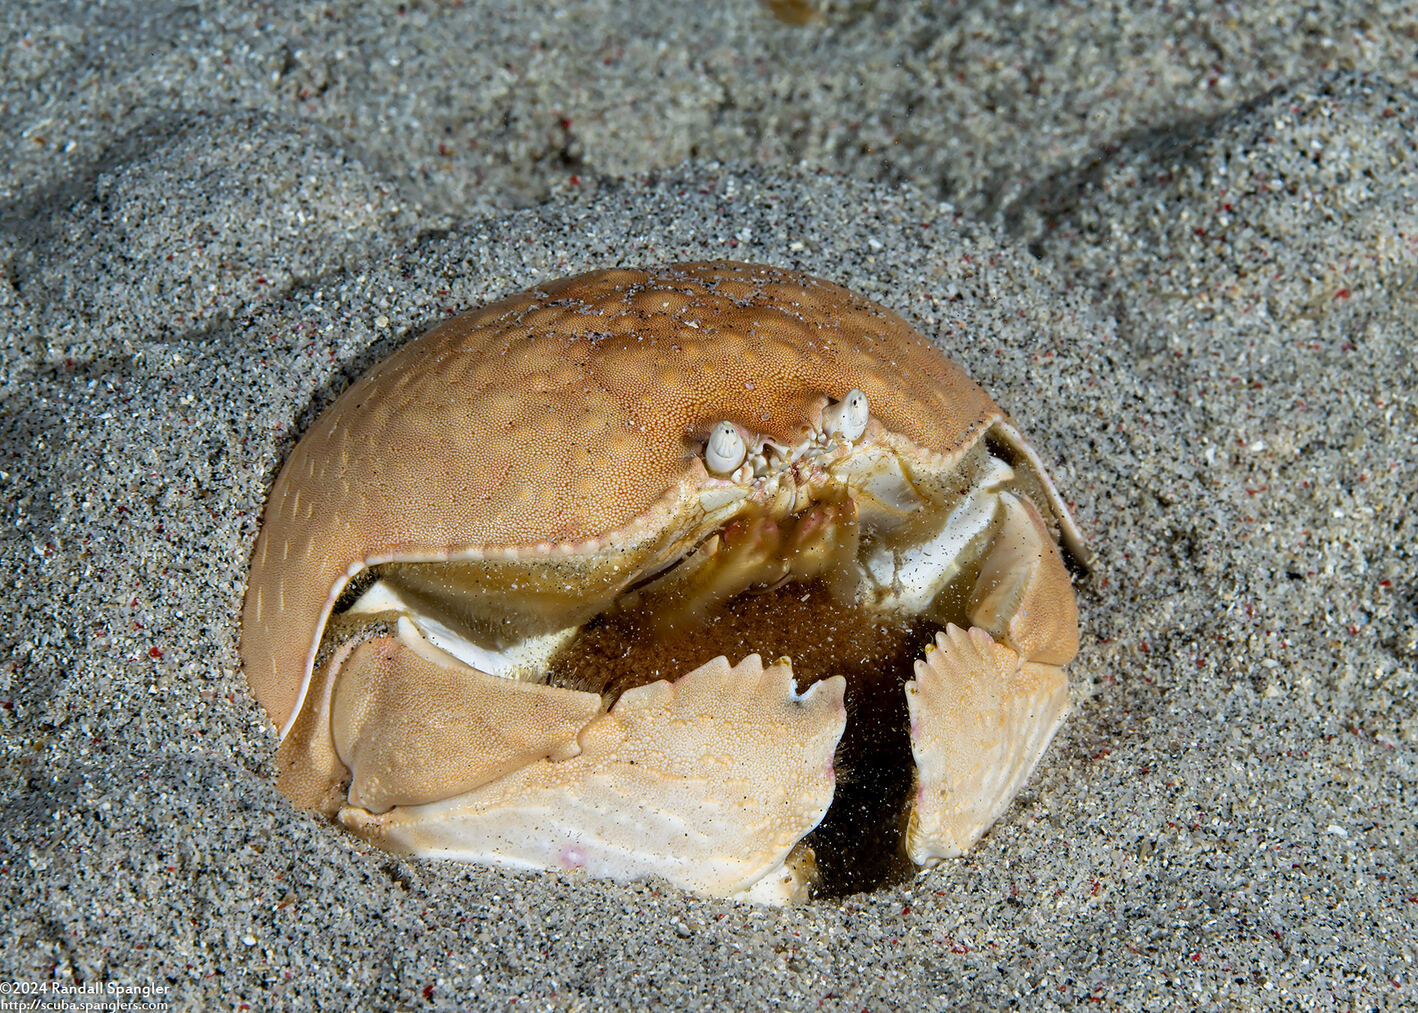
513, 591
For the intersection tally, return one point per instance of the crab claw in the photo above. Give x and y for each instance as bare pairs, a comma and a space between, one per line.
981, 717
413, 725
401, 722
710, 782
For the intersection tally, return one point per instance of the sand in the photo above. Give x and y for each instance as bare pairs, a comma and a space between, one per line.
1180, 250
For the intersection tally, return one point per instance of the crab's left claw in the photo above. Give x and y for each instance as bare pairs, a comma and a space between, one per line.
981, 716
985, 702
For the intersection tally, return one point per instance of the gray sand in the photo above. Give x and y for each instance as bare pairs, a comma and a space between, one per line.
1195, 293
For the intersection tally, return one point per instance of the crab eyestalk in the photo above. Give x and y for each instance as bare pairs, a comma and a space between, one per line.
848, 417
725, 449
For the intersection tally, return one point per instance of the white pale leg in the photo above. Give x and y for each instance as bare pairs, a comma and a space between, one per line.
709, 782
980, 719
910, 580
524, 660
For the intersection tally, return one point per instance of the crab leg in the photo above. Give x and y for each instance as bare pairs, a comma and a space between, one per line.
1024, 596
709, 782
308, 771
985, 702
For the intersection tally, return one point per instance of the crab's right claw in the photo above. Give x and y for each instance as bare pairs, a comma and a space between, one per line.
981, 717
710, 782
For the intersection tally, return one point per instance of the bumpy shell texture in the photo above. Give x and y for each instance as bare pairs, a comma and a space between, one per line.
561, 416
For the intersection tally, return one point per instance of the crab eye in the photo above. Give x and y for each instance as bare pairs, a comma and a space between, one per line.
725, 449
848, 416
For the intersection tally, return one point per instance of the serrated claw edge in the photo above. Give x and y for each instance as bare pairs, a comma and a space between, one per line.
981, 717
709, 782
